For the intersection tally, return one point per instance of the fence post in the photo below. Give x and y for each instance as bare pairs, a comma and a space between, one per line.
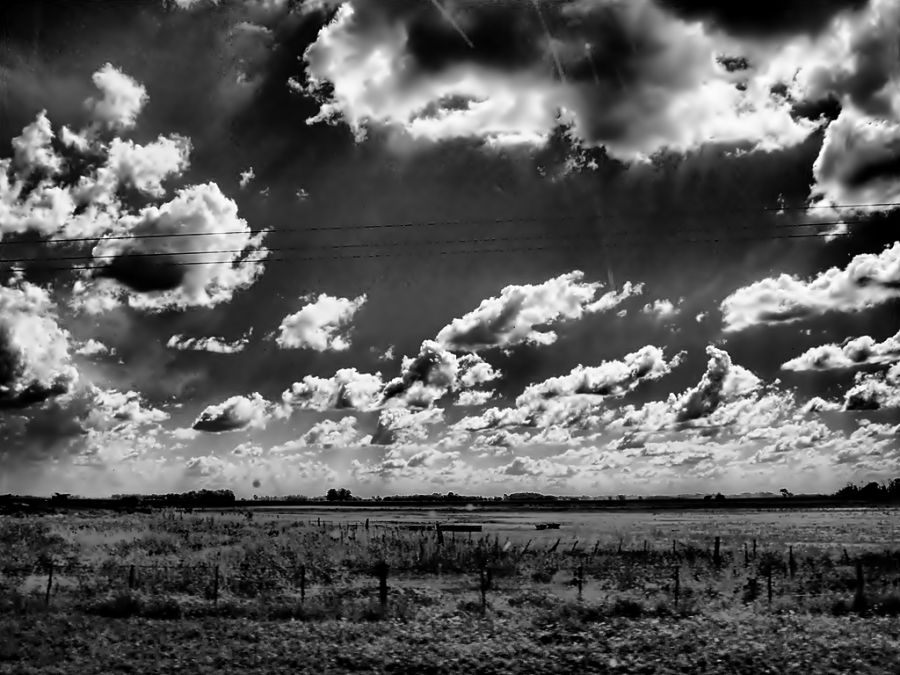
717, 556
49, 583
746, 555
677, 577
131, 578
754, 548
792, 563
859, 600
674, 549
574, 546
302, 584
381, 569
216, 585
580, 581
483, 587
769, 582
553, 548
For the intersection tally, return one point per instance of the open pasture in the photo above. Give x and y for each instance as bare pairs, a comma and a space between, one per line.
558, 591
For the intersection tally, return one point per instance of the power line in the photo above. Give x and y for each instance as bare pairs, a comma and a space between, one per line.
504, 250
466, 222
389, 244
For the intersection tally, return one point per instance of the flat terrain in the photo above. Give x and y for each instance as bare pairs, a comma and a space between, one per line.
295, 590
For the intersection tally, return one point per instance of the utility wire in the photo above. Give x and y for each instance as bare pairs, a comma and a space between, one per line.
504, 250
398, 244
472, 221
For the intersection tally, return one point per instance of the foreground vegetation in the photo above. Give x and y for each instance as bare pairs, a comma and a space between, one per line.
258, 592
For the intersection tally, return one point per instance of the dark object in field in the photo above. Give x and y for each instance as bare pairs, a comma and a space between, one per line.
459, 528
546, 526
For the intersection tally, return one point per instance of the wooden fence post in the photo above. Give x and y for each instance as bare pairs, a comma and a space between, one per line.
769, 582
382, 569
131, 578
717, 556
859, 600
677, 577
49, 583
754, 548
674, 549
302, 584
482, 579
580, 582
574, 546
216, 585
746, 555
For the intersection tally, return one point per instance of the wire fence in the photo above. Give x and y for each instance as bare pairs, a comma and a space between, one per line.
472, 564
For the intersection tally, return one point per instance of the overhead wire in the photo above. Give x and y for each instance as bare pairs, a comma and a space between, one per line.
462, 222
620, 239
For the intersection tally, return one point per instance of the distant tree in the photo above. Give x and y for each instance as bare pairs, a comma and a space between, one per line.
340, 495
719, 497
707, 498
787, 494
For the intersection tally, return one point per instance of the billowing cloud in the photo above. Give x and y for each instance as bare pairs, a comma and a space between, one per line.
434, 372
859, 163
610, 378
630, 75
121, 101
518, 314
215, 345
347, 389
328, 433
237, 412
873, 391
93, 347
35, 363
869, 279
112, 407
321, 325
722, 381
212, 255
662, 309
469, 397
852, 353
402, 425
193, 250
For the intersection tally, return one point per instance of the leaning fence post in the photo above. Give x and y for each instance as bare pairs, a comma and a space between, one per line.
49, 583
381, 570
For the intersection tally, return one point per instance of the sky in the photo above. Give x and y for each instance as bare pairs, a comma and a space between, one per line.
579, 247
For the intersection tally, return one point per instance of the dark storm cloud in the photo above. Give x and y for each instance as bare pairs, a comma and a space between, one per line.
622, 70
145, 274
765, 18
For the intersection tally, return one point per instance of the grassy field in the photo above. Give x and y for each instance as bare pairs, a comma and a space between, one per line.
273, 591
